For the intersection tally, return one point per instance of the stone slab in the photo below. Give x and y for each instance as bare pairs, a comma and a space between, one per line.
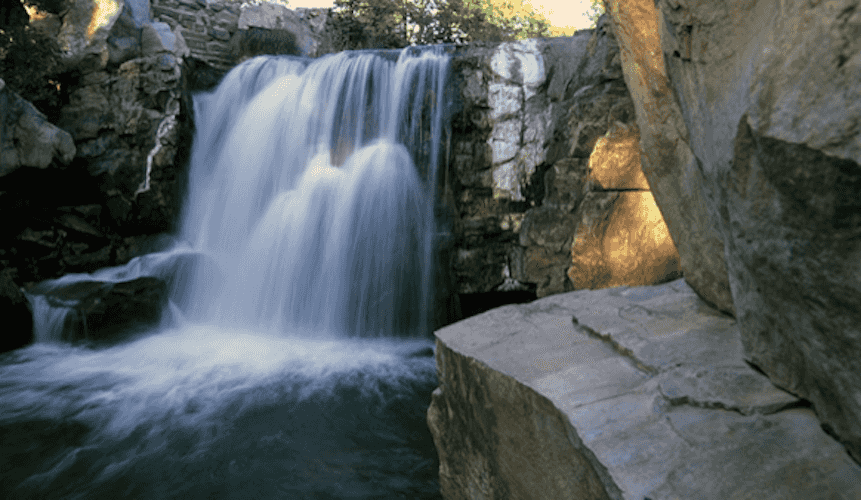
636, 392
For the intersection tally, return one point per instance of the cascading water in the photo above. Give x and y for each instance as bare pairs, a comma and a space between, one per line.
296, 360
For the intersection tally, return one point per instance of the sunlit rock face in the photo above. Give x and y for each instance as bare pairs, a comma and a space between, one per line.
754, 155
544, 126
668, 161
621, 238
84, 33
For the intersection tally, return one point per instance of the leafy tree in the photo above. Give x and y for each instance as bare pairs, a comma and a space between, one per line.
398, 23
595, 11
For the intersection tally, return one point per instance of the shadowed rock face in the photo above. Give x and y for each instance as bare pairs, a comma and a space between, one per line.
753, 151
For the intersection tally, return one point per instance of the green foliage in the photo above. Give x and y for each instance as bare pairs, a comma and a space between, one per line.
398, 23
29, 58
595, 11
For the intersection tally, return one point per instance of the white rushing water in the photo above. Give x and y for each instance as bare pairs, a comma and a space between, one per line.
296, 337
310, 201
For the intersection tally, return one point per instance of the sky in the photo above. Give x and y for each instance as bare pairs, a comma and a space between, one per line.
560, 13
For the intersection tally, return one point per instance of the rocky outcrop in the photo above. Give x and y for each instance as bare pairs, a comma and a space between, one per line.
219, 34
621, 393
206, 28
754, 154
120, 141
308, 26
545, 164
27, 139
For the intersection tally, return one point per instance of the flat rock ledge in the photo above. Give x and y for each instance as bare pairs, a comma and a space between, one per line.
623, 393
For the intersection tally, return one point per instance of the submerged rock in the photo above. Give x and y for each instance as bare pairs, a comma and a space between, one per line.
106, 311
622, 393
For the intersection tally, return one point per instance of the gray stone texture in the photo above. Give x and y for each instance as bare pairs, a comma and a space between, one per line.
27, 139
621, 393
538, 126
757, 164
118, 143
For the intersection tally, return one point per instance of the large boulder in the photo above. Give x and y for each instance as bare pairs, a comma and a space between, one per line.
621, 393
754, 148
670, 165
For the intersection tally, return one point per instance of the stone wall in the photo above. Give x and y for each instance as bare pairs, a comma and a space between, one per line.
206, 27
750, 113
545, 149
215, 30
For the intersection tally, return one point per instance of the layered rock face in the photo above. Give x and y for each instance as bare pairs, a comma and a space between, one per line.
621, 393
545, 179
118, 141
750, 112
108, 174
220, 33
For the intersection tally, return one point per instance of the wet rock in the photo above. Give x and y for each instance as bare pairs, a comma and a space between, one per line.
621, 393
104, 311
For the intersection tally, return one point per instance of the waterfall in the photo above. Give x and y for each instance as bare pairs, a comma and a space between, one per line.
310, 200
293, 360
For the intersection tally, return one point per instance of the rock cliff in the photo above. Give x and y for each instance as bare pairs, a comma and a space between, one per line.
108, 173
754, 153
545, 180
